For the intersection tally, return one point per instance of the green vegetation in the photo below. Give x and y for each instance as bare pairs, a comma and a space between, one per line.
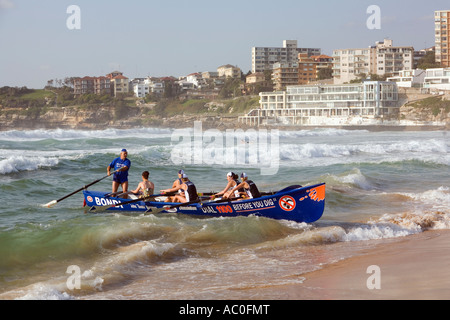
428, 61
434, 104
168, 108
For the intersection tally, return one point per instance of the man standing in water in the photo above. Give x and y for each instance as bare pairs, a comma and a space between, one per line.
121, 165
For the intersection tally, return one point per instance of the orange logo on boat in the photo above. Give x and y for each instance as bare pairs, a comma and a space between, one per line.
315, 194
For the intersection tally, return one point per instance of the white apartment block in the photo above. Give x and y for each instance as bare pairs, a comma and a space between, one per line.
263, 58
141, 89
438, 78
409, 78
381, 59
325, 104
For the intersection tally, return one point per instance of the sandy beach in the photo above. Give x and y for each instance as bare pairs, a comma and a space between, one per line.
414, 268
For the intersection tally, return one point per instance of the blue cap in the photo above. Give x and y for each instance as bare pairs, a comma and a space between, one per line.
181, 171
124, 150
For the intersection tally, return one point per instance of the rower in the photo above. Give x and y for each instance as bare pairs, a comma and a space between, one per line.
146, 187
190, 191
175, 186
232, 179
250, 189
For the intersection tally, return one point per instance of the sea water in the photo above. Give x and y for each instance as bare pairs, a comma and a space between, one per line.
381, 186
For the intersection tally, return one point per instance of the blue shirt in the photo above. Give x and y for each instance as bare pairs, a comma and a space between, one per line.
118, 163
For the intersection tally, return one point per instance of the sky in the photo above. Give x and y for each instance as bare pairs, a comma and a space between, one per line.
177, 37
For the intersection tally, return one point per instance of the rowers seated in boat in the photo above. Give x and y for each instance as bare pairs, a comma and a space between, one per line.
189, 191
143, 190
232, 179
250, 189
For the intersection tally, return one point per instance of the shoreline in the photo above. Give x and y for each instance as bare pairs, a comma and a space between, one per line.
414, 268
229, 123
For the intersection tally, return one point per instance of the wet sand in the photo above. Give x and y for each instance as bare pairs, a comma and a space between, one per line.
414, 268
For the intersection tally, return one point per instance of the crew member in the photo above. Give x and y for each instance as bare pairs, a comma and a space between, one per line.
250, 189
121, 165
190, 191
232, 179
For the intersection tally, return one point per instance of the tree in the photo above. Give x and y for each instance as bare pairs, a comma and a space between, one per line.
428, 61
325, 74
231, 89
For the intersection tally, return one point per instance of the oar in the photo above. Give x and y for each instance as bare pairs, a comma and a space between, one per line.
103, 208
52, 203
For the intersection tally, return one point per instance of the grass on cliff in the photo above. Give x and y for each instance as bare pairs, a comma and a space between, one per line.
434, 104
168, 108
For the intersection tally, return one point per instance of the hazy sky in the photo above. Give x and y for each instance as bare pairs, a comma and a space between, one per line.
178, 37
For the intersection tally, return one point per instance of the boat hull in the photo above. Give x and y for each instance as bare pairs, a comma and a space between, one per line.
296, 203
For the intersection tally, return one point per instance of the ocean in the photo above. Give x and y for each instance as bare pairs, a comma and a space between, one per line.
381, 187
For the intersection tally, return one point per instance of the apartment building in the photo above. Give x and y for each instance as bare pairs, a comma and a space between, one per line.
263, 58
323, 62
307, 69
437, 78
392, 59
255, 78
120, 85
442, 30
381, 59
102, 85
409, 78
284, 74
140, 87
321, 104
92, 85
229, 71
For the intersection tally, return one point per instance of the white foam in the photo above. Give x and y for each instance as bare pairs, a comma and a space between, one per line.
24, 163
60, 134
317, 154
41, 291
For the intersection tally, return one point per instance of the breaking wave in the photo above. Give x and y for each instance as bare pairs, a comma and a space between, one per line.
24, 163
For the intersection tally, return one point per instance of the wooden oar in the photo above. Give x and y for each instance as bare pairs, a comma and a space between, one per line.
103, 208
53, 202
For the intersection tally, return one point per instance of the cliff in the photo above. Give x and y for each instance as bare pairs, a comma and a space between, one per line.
96, 118
422, 111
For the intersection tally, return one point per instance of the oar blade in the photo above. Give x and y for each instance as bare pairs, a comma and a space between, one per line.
50, 204
154, 210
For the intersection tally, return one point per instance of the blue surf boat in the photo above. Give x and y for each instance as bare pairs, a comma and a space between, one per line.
296, 203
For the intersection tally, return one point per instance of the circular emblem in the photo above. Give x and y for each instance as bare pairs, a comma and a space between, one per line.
89, 199
287, 203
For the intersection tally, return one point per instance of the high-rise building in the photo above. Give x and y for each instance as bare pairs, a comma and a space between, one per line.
441, 26
381, 59
284, 74
307, 69
263, 58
